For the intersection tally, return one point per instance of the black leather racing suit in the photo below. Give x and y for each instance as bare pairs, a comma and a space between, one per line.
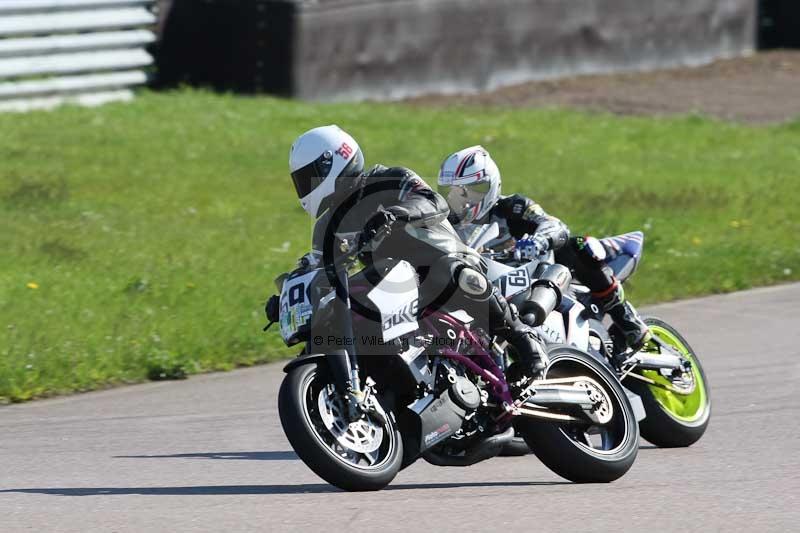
420, 234
517, 215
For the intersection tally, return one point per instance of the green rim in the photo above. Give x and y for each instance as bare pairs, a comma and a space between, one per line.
685, 407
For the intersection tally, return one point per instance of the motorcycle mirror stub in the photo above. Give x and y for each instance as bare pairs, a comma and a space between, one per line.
279, 281
485, 234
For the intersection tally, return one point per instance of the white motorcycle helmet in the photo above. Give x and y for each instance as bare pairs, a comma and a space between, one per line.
320, 159
470, 182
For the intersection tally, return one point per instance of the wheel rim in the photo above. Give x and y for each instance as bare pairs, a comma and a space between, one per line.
606, 439
363, 444
685, 407
361, 436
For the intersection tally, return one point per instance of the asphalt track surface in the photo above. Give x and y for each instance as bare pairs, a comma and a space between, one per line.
208, 454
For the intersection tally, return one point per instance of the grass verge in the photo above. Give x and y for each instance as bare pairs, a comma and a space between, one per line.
140, 240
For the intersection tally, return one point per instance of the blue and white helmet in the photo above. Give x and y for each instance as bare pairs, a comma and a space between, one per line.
320, 160
470, 182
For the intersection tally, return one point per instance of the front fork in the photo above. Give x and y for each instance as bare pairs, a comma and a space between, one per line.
343, 363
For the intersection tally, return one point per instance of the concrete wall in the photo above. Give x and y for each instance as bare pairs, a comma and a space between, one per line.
348, 49
385, 49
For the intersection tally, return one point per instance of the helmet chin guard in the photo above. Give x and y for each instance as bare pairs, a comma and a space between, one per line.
317, 159
470, 182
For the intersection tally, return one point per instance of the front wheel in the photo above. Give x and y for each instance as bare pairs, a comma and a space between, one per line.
362, 455
581, 451
678, 410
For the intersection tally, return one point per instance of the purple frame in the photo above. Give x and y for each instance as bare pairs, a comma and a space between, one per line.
480, 362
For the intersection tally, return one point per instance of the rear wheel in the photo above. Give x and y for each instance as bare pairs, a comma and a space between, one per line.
362, 455
584, 452
678, 409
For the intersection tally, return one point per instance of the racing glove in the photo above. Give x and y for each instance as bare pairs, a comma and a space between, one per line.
377, 228
273, 310
531, 247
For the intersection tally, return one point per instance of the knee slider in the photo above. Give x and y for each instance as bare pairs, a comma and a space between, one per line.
591, 248
474, 284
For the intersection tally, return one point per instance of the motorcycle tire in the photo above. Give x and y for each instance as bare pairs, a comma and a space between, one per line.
673, 420
319, 448
566, 448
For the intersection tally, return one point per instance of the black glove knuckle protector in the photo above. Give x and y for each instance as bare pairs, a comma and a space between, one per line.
273, 308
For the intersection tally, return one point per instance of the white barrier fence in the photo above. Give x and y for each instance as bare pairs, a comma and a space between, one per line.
80, 51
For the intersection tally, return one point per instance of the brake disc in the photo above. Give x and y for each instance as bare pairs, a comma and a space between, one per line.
602, 410
683, 383
361, 436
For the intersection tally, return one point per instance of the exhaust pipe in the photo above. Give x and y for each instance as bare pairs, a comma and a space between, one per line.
486, 449
658, 361
561, 397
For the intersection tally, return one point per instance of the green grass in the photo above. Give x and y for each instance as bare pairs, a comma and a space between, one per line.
140, 240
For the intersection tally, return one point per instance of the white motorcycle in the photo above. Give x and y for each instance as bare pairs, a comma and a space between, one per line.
664, 380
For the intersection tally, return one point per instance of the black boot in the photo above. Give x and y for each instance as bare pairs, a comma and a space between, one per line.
503, 321
531, 352
626, 319
507, 325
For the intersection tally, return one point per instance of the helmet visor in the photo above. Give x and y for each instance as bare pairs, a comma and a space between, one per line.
354, 167
308, 178
465, 200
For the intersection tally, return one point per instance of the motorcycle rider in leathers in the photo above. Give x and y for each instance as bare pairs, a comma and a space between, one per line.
470, 181
393, 213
